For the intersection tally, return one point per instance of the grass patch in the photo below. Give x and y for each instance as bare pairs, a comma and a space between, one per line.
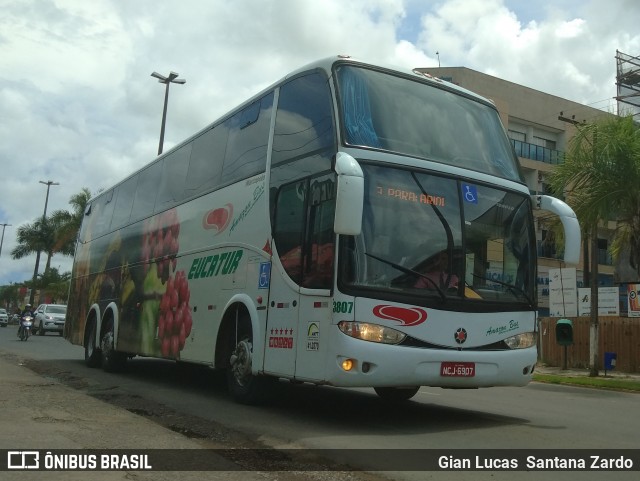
599, 382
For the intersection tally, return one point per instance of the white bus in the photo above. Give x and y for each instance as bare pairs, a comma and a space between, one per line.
296, 238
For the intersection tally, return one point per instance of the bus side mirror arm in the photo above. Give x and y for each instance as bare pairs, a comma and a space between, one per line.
569, 221
349, 195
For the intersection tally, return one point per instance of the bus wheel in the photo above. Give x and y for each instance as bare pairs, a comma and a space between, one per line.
244, 387
92, 355
396, 394
112, 360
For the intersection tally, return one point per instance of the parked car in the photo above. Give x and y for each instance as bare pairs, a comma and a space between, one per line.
4, 318
49, 318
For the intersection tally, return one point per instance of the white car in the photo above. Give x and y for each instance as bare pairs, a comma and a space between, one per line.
49, 318
4, 318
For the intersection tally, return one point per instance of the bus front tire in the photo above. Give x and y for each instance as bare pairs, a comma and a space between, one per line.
244, 387
396, 394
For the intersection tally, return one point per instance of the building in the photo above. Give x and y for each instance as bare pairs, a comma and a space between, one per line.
540, 127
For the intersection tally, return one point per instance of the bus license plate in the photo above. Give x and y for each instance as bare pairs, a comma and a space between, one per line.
458, 369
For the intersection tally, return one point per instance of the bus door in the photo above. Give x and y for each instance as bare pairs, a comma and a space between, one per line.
301, 279
282, 322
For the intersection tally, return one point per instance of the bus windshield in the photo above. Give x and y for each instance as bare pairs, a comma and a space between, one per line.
438, 239
407, 116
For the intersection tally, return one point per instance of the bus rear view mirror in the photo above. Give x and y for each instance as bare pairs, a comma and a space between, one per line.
569, 222
349, 197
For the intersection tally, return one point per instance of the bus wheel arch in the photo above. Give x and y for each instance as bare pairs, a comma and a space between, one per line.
235, 353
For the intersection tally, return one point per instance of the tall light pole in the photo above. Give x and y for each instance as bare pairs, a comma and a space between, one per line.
2, 240
172, 78
48, 183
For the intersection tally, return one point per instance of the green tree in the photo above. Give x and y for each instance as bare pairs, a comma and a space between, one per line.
9, 297
55, 234
600, 178
54, 285
69, 222
41, 235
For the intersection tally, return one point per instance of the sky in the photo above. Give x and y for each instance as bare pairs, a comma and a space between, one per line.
78, 105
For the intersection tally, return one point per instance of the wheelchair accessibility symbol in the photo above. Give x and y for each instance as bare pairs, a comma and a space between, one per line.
265, 275
470, 193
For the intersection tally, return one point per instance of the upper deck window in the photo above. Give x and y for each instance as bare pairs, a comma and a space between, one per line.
411, 117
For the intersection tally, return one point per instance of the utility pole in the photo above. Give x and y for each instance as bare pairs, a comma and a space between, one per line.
2, 240
590, 272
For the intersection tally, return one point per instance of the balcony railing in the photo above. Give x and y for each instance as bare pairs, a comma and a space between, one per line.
536, 152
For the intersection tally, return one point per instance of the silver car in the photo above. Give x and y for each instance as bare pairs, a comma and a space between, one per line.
4, 318
49, 318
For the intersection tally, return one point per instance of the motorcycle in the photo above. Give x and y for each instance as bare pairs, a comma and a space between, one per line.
26, 323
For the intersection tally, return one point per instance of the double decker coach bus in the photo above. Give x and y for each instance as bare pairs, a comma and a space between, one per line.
297, 237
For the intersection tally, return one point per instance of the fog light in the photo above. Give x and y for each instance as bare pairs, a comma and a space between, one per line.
348, 364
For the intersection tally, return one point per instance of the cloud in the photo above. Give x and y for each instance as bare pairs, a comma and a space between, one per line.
568, 56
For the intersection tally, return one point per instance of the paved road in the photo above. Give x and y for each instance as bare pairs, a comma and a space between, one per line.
538, 416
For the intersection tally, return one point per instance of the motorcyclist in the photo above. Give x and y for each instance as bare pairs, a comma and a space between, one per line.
27, 311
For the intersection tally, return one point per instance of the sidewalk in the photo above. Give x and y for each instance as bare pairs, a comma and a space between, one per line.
39, 413
558, 371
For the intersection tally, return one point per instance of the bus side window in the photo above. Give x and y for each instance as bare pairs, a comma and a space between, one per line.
146, 191
289, 227
319, 246
205, 165
103, 220
303, 232
124, 202
304, 122
174, 172
246, 152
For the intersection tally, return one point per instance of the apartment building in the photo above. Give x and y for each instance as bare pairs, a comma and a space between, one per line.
540, 126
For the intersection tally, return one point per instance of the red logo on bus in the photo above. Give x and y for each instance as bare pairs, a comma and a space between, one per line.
218, 219
405, 316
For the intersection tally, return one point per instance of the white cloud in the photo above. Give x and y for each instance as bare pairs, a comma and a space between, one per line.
569, 56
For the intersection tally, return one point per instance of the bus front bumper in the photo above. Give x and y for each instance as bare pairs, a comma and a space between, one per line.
386, 365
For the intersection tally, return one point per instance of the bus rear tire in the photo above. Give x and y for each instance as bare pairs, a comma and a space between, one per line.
92, 355
112, 360
396, 394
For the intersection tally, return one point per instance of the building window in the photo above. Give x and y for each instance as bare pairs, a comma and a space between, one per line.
604, 257
542, 142
515, 135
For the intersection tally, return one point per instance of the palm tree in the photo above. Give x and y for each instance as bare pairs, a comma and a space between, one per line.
600, 178
55, 234
70, 222
42, 235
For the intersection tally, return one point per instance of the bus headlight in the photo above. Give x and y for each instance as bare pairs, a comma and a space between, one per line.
371, 332
522, 341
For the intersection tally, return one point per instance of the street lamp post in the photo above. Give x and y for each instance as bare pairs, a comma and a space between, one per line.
172, 78
48, 183
2, 240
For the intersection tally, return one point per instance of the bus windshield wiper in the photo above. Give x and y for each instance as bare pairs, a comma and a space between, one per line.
513, 288
410, 272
